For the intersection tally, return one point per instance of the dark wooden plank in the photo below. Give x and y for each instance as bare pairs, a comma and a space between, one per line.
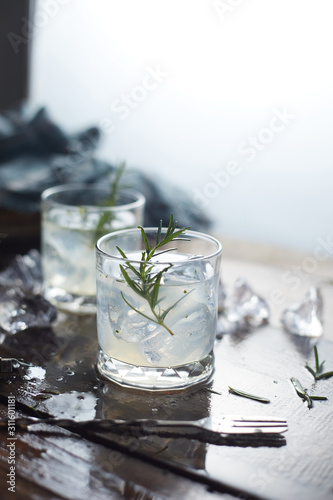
67, 466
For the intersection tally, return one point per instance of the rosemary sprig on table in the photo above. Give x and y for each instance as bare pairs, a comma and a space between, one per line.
302, 393
317, 372
148, 283
247, 395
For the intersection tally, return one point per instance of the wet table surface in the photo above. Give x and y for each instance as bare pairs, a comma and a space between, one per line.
53, 462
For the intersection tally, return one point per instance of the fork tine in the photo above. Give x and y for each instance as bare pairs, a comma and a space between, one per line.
259, 419
258, 430
253, 423
259, 424
236, 424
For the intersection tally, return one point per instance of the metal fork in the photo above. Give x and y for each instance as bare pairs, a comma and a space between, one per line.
214, 427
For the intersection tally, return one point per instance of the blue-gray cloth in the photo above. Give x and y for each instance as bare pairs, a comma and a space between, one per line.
36, 154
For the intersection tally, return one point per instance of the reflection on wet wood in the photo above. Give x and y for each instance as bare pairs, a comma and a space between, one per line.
63, 383
69, 467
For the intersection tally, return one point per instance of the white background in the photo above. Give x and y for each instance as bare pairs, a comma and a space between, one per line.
228, 67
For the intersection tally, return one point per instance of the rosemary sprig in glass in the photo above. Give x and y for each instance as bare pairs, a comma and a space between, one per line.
148, 283
317, 372
110, 201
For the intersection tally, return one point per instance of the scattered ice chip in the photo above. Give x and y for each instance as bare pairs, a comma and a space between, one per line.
305, 318
242, 311
246, 305
24, 272
19, 311
225, 326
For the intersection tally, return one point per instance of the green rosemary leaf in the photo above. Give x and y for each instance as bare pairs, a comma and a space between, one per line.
148, 285
170, 225
149, 270
130, 282
308, 400
137, 310
155, 291
302, 393
160, 299
104, 218
143, 264
171, 236
164, 251
316, 358
247, 395
164, 314
212, 391
144, 237
310, 370
298, 387
121, 253
110, 201
158, 238
321, 366
132, 268
115, 185
324, 375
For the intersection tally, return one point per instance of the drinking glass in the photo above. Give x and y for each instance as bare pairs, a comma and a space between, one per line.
74, 217
157, 337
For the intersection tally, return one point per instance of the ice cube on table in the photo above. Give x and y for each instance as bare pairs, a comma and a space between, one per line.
19, 311
305, 318
242, 311
21, 305
246, 305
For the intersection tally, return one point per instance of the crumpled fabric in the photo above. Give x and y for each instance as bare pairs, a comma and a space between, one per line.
36, 154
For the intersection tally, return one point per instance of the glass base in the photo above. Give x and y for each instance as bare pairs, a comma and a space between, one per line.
155, 378
68, 302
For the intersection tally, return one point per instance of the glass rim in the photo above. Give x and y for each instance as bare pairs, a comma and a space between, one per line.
196, 234
75, 187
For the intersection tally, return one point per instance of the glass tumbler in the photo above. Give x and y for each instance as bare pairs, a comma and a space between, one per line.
156, 320
74, 217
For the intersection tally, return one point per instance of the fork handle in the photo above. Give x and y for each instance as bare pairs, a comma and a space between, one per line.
147, 426
162, 428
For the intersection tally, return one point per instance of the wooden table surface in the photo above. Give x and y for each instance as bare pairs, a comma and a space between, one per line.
55, 463
63, 383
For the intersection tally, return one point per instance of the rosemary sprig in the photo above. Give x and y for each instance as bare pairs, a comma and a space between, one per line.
302, 393
317, 371
148, 283
247, 395
110, 200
